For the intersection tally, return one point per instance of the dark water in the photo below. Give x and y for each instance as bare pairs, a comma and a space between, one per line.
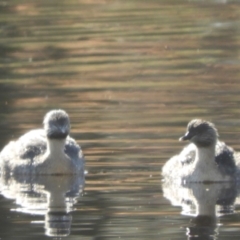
131, 74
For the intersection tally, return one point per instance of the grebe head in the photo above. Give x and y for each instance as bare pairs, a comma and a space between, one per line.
201, 133
56, 124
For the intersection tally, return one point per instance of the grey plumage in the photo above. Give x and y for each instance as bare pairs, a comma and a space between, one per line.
31, 153
204, 159
224, 157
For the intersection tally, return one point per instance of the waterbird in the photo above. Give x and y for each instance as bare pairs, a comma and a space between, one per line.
44, 151
205, 159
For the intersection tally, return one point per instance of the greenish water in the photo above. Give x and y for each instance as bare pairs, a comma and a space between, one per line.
131, 74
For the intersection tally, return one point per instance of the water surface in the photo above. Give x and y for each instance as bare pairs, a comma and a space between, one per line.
131, 74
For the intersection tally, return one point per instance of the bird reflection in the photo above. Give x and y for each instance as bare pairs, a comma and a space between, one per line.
205, 203
51, 196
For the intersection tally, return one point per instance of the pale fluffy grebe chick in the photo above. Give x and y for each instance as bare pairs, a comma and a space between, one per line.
44, 151
206, 159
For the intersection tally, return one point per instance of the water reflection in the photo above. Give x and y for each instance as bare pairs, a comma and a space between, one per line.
205, 203
51, 196
130, 74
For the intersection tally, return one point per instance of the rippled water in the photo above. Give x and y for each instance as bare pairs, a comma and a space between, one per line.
131, 74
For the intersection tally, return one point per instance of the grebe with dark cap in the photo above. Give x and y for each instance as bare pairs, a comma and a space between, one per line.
44, 151
206, 159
